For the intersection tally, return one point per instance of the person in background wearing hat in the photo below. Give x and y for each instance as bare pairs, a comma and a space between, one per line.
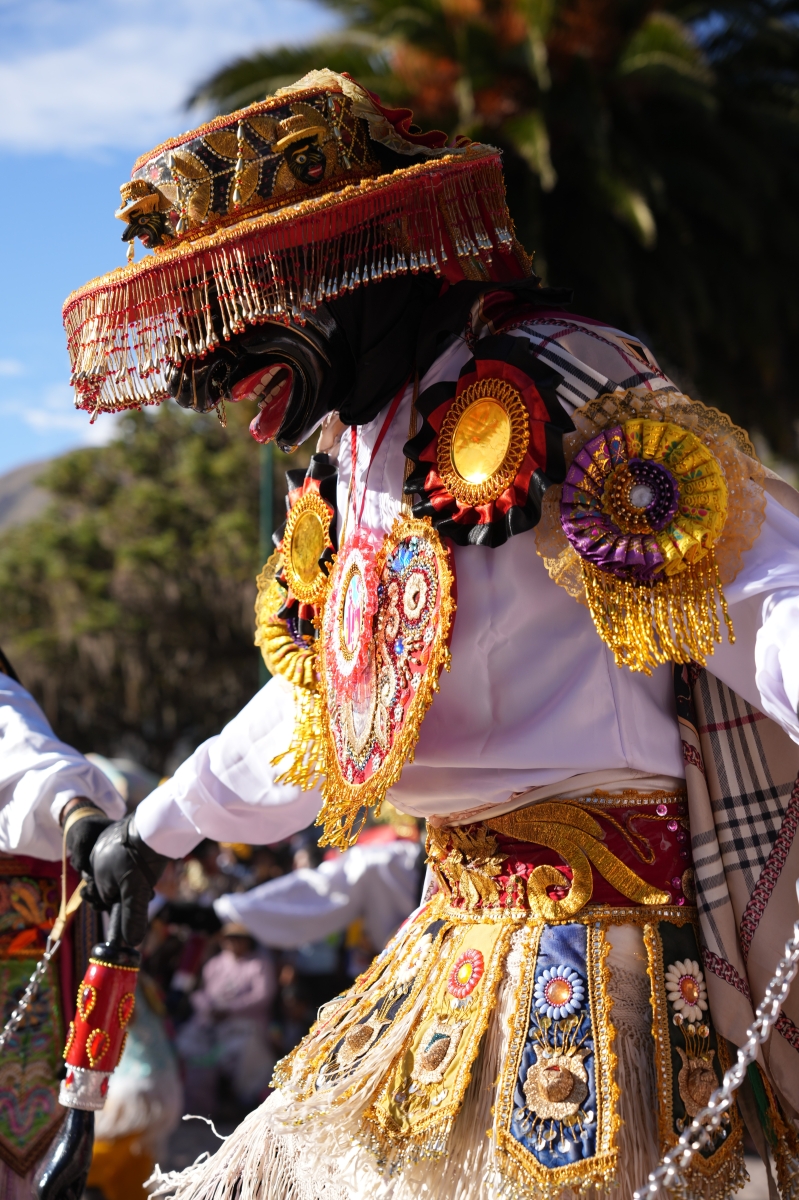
46, 788
514, 516
226, 1041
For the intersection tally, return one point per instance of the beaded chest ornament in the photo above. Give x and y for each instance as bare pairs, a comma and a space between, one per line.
385, 626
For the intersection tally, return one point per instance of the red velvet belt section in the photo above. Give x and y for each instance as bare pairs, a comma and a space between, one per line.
489, 865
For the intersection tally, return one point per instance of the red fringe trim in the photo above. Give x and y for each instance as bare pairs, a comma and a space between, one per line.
126, 330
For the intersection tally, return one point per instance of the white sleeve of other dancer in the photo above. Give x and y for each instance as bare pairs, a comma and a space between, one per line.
763, 665
38, 775
226, 790
377, 883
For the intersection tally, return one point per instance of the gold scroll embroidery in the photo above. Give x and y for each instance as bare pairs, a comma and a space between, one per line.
468, 861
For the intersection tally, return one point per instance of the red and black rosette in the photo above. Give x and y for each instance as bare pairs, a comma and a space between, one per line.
490, 445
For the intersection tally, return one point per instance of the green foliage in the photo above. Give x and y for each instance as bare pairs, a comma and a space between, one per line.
128, 607
651, 154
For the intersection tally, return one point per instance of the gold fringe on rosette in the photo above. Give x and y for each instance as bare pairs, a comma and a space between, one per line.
305, 757
675, 620
126, 330
678, 615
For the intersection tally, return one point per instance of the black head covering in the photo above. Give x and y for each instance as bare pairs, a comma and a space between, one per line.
381, 325
399, 325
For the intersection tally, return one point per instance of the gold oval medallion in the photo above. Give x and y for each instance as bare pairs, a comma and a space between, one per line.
480, 440
306, 537
483, 441
307, 545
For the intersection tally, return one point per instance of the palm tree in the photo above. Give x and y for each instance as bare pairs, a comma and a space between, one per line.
651, 153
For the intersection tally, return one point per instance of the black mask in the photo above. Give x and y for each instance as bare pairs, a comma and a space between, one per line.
351, 356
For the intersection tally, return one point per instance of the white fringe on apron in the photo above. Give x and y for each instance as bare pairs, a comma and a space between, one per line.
324, 1160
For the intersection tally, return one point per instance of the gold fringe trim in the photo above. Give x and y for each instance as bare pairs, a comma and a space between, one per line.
305, 757
671, 620
727, 1178
613, 603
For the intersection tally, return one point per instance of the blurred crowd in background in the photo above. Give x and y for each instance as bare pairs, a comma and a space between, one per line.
245, 945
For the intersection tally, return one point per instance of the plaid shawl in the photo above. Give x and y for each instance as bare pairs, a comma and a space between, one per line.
743, 797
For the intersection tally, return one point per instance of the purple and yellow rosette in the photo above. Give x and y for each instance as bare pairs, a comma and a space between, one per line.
643, 504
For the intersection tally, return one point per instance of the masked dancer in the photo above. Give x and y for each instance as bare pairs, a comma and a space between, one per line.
527, 590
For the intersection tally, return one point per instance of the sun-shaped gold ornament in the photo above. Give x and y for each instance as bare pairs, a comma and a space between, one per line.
483, 441
306, 537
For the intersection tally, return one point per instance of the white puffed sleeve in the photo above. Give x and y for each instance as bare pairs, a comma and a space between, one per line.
38, 775
378, 884
763, 664
777, 659
226, 790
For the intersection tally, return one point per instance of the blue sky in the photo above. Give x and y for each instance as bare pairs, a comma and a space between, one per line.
86, 86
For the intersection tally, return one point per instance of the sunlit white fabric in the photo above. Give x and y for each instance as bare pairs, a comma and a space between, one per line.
534, 696
226, 789
38, 775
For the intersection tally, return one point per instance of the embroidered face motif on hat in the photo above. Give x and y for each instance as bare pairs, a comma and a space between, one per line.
230, 166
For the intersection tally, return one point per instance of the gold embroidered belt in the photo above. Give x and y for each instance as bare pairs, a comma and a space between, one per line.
555, 857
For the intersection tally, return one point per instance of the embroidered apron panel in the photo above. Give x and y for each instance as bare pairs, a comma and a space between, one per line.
363, 1035
557, 1104
350, 1028
690, 1058
426, 1085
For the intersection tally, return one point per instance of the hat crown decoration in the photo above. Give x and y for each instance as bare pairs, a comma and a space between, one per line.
247, 162
263, 214
250, 164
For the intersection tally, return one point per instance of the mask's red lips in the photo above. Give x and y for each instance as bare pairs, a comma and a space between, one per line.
271, 387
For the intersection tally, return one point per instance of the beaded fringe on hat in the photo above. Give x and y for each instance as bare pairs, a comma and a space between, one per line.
128, 329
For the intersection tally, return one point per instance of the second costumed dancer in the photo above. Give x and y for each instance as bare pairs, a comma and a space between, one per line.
527, 590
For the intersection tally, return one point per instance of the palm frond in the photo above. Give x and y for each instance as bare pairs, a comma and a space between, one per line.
651, 157
251, 78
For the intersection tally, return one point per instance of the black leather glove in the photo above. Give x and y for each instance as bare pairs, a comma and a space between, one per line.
125, 871
83, 832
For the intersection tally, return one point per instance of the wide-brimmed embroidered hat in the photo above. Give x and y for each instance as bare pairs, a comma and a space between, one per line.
266, 213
